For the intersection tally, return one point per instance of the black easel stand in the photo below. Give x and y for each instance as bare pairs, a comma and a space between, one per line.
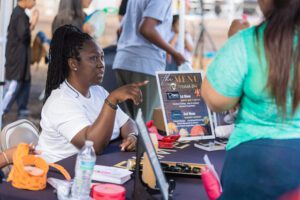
141, 190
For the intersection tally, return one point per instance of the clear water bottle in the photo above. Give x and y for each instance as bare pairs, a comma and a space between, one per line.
85, 163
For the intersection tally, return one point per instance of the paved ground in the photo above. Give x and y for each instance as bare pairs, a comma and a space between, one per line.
216, 28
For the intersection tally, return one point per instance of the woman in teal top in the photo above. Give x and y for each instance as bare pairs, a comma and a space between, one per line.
259, 68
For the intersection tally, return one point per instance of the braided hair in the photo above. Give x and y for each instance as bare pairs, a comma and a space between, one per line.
66, 43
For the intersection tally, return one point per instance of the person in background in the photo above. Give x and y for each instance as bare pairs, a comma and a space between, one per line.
259, 67
71, 12
238, 25
142, 49
40, 48
18, 58
122, 9
121, 13
76, 108
188, 45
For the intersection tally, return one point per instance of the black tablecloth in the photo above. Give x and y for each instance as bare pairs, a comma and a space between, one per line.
186, 188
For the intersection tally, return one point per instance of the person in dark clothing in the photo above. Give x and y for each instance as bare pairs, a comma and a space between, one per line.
17, 54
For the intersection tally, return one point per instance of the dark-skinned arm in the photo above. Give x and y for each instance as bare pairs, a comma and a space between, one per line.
148, 31
128, 127
101, 130
129, 140
214, 100
9, 156
6, 157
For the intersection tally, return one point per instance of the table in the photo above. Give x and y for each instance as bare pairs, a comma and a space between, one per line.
186, 188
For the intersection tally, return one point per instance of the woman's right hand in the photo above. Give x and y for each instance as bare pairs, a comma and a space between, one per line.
130, 91
179, 58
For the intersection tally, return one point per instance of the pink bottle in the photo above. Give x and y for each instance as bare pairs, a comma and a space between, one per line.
211, 184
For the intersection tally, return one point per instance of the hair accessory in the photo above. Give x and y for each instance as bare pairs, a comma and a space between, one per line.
113, 106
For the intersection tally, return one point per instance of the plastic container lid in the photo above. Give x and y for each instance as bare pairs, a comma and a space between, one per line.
108, 192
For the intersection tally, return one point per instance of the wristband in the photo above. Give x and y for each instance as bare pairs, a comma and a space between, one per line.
111, 105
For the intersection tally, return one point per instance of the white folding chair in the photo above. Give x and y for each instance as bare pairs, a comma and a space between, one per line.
19, 131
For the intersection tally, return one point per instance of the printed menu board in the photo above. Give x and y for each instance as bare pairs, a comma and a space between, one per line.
185, 112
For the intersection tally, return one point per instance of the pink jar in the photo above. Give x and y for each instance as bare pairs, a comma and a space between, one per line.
108, 192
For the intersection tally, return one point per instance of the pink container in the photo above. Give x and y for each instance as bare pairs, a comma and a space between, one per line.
108, 192
211, 184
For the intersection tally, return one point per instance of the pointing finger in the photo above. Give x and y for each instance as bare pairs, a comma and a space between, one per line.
139, 84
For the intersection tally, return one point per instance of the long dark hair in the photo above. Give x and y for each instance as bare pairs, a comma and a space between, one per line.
66, 43
69, 12
282, 24
74, 6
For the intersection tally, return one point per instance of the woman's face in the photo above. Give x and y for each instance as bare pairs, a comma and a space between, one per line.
90, 68
266, 6
86, 3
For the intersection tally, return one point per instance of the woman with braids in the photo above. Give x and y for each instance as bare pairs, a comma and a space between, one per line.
260, 68
76, 108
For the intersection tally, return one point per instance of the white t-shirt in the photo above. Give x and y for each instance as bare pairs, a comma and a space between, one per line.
65, 113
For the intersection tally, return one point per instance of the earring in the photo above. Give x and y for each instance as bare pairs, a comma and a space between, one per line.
75, 69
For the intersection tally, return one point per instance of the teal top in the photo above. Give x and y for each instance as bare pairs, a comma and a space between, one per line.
239, 71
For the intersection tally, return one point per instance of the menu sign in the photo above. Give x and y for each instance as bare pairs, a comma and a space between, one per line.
185, 112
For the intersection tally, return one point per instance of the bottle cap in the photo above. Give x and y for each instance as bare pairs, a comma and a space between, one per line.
89, 143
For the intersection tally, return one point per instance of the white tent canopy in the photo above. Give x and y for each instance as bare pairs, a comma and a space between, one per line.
6, 7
